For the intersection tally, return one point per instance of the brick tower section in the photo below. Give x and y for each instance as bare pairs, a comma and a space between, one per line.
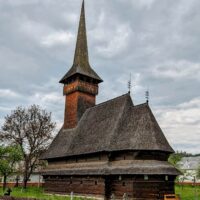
79, 96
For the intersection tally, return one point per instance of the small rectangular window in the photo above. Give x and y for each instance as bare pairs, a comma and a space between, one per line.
146, 177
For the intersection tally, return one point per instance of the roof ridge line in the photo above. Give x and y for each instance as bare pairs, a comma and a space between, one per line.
140, 105
118, 120
110, 100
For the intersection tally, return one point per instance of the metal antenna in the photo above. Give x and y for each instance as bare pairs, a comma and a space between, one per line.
147, 96
129, 84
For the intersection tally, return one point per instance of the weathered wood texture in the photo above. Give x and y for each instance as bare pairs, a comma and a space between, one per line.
77, 185
114, 156
138, 188
135, 187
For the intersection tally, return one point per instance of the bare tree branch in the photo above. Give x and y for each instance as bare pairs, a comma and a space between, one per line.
31, 129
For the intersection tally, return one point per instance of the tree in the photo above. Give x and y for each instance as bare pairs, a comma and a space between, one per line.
9, 157
31, 129
174, 159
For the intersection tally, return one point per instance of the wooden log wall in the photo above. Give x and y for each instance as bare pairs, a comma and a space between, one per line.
139, 155
135, 187
114, 156
139, 189
77, 185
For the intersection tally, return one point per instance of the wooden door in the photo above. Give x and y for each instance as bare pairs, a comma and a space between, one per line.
108, 188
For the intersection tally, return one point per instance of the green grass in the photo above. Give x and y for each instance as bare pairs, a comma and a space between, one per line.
38, 193
186, 192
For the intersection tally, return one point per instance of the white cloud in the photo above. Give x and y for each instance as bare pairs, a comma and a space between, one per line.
21, 2
115, 42
178, 69
44, 34
8, 93
33, 29
46, 99
193, 103
57, 38
181, 124
71, 18
144, 3
4, 109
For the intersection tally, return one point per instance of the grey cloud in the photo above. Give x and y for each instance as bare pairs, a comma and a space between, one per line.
157, 41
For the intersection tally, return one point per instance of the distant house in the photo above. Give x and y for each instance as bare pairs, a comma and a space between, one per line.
189, 166
35, 180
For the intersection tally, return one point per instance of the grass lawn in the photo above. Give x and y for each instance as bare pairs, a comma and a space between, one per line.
35, 192
186, 192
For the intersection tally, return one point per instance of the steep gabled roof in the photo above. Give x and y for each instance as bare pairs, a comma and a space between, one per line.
111, 126
139, 129
81, 59
60, 145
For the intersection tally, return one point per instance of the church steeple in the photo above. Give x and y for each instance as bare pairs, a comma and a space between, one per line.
81, 52
81, 81
81, 59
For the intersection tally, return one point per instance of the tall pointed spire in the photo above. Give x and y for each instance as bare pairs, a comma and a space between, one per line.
81, 52
81, 59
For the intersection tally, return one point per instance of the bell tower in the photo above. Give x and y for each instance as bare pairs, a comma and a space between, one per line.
81, 81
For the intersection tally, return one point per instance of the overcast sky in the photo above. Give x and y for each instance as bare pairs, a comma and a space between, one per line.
157, 41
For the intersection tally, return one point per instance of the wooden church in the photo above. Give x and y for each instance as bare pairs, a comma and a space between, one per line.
112, 150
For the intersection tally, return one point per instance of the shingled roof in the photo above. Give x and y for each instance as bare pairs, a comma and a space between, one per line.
111, 126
